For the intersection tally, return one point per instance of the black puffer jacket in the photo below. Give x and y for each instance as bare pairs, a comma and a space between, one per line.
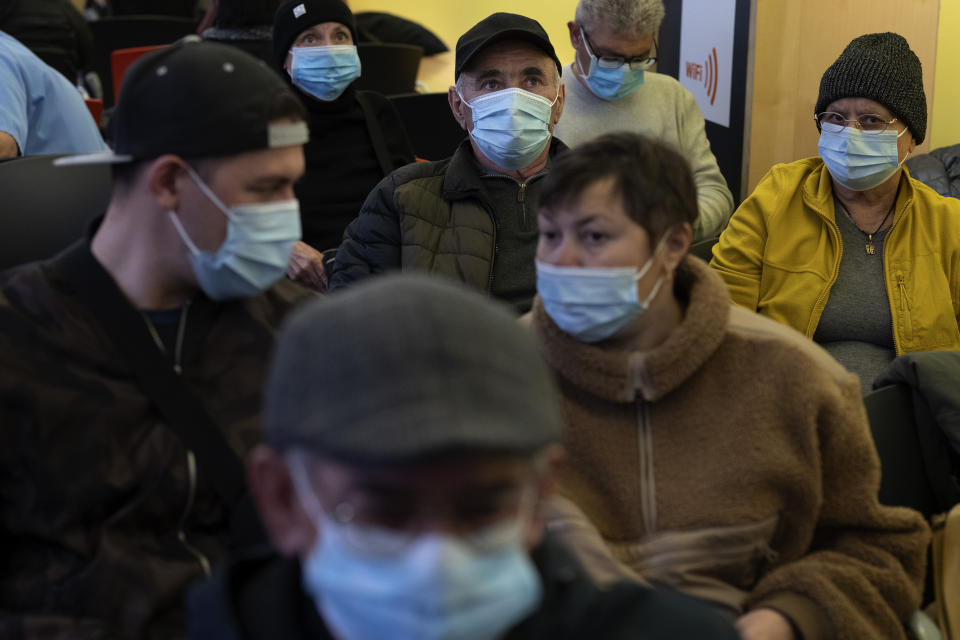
429, 216
939, 170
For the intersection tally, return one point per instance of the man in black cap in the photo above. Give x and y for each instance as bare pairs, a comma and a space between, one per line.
473, 216
405, 487
131, 364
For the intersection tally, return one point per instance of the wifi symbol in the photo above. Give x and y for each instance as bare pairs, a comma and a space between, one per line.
710, 80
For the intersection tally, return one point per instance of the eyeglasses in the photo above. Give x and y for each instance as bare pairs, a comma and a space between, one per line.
615, 62
869, 123
384, 528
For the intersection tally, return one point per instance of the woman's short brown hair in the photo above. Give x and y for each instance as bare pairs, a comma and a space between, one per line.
653, 181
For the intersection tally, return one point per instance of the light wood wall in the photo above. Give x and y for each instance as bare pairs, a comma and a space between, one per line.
795, 42
450, 19
946, 105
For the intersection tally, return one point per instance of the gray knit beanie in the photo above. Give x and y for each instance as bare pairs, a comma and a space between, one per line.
881, 67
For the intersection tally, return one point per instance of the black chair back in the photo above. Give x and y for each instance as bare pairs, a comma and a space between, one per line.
390, 69
703, 249
45, 208
110, 34
429, 123
904, 480
180, 8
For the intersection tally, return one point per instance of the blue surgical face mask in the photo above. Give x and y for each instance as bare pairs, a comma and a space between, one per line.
255, 253
593, 304
512, 126
858, 160
432, 587
324, 72
609, 84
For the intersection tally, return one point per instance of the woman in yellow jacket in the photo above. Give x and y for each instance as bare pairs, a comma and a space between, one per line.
846, 247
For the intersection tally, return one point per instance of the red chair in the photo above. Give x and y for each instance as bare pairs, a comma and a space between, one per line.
121, 59
96, 109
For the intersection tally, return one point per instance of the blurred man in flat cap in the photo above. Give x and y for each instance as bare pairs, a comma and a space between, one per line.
411, 439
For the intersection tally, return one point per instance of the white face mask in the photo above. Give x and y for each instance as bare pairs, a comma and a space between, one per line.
593, 304
255, 253
431, 587
511, 126
858, 160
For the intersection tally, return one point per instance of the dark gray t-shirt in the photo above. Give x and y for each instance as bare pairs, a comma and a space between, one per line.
856, 326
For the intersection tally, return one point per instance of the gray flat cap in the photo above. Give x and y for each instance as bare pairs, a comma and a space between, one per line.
407, 366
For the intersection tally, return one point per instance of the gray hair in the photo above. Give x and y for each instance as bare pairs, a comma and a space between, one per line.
627, 17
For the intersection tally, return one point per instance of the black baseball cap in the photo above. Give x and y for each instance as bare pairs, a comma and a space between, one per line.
196, 99
496, 28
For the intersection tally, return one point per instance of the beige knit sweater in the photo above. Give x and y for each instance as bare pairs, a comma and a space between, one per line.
735, 462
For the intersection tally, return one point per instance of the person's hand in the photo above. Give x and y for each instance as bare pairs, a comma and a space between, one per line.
765, 624
306, 267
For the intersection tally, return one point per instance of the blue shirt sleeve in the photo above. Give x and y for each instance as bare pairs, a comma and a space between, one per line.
13, 103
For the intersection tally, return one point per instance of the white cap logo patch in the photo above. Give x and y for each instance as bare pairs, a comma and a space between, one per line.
299, 10
287, 134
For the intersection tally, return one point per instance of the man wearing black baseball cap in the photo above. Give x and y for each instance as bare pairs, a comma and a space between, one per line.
131, 364
473, 216
405, 487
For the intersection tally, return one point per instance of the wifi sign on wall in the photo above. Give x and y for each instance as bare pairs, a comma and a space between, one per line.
706, 52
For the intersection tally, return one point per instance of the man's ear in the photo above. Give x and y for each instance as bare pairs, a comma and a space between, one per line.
558, 108
459, 108
574, 30
290, 528
163, 177
548, 462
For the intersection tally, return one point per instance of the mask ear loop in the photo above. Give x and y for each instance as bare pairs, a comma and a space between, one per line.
207, 191
297, 466
643, 271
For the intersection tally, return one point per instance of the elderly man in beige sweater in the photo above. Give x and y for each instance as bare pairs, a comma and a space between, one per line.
610, 87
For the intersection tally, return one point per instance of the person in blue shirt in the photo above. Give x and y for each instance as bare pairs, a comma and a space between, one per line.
40, 111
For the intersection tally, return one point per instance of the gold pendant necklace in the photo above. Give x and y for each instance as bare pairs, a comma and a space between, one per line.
869, 247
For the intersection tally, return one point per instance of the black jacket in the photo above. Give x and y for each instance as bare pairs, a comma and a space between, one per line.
939, 170
343, 164
262, 598
103, 512
934, 378
430, 216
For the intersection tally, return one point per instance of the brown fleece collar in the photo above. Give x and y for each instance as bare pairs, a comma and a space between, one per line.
618, 375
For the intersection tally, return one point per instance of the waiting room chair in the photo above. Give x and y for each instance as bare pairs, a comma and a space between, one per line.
180, 8
703, 249
430, 125
45, 208
390, 69
903, 476
96, 109
121, 59
904, 481
110, 34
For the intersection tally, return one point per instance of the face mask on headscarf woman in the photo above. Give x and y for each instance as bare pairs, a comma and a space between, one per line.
324, 72
858, 160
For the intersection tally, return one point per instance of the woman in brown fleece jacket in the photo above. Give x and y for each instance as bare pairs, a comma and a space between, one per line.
709, 448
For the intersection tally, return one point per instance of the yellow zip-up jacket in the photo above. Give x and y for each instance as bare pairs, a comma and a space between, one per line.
781, 253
